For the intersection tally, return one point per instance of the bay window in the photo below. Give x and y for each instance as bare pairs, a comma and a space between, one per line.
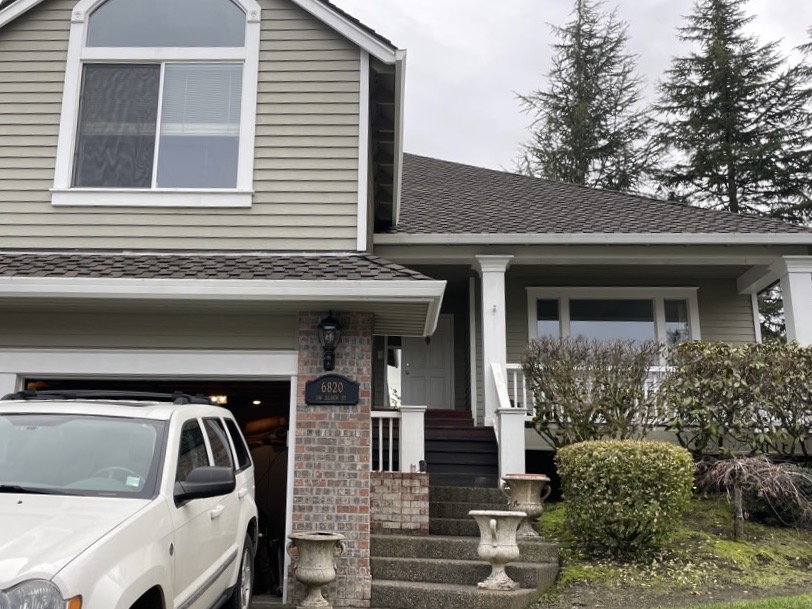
160, 103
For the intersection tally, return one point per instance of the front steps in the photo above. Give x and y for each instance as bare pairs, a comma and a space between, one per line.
459, 454
442, 570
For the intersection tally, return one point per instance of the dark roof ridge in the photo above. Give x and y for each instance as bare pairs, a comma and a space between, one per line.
615, 194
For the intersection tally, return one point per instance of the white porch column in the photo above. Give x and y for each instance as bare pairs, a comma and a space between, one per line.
796, 287
494, 343
412, 441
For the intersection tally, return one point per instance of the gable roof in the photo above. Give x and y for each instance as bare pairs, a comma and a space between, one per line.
324, 10
443, 200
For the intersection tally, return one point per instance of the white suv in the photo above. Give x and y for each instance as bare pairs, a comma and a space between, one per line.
123, 501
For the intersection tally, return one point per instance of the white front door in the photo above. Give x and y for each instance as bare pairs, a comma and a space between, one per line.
428, 367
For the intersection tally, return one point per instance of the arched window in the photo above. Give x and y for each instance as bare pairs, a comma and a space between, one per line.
159, 103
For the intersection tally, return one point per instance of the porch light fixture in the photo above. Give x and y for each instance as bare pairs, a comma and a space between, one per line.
329, 337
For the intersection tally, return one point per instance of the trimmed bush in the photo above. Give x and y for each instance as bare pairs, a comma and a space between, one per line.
624, 497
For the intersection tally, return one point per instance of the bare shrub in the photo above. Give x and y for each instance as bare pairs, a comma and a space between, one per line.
591, 390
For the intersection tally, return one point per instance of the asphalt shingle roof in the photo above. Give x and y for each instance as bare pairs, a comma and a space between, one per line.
441, 197
204, 266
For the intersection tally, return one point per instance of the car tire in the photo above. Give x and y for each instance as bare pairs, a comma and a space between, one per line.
243, 592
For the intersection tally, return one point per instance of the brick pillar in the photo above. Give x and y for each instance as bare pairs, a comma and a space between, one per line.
331, 486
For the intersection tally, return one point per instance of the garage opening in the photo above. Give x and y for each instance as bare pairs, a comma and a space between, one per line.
262, 410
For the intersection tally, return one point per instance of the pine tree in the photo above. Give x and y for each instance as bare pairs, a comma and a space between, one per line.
587, 128
735, 120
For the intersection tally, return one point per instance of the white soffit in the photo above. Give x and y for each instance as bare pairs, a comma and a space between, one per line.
594, 239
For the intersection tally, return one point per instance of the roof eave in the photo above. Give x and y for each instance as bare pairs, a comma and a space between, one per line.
594, 239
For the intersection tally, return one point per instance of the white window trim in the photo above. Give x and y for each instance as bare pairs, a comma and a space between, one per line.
62, 192
658, 295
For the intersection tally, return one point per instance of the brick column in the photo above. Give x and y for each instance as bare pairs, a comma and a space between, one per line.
331, 486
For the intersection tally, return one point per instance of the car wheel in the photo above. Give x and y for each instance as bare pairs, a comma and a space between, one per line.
244, 589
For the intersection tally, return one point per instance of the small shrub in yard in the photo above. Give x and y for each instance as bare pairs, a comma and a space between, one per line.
624, 497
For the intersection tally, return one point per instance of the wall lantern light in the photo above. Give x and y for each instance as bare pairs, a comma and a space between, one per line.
329, 337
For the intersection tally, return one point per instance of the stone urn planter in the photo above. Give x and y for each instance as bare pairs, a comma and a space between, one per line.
526, 493
315, 563
497, 545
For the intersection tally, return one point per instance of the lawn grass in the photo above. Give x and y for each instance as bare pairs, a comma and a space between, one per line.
787, 602
700, 558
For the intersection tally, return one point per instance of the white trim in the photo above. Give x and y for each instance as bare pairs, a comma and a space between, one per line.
149, 363
292, 427
656, 294
227, 289
400, 112
165, 197
363, 155
756, 318
595, 239
11, 12
472, 362
349, 30
64, 195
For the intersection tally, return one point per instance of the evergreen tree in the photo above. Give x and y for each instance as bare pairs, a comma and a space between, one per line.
735, 120
587, 128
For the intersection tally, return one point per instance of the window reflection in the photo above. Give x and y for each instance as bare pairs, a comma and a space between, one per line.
548, 320
677, 329
615, 319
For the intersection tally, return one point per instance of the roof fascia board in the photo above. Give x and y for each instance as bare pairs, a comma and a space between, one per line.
596, 239
222, 289
349, 30
400, 111
11, 12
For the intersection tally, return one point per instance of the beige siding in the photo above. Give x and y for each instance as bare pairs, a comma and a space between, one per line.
305, 170
138, 330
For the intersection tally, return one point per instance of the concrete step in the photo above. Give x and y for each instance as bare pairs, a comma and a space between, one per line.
454, 548
464, 572
457, 494
460, 510
414, 595
465, 527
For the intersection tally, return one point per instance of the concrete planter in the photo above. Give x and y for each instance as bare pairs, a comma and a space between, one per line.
314, 563
527, 492
497, 545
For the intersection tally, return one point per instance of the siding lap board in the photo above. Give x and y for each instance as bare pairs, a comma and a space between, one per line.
306, 158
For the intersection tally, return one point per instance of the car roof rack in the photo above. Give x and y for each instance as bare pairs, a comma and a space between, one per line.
177, 397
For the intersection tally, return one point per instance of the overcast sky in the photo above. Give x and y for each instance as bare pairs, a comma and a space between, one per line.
467, 58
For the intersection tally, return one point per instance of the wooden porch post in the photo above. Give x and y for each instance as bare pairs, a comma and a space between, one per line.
494, 342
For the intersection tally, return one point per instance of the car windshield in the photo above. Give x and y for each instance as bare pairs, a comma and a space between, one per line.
79, 455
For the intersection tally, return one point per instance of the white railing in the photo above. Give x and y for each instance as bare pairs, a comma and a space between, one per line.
521, 397
409, 423
508, 425
384, 420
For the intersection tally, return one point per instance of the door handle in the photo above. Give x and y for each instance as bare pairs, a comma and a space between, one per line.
242, 492
217, 511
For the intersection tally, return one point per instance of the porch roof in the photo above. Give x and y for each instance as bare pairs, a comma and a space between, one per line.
404, 301
461, 203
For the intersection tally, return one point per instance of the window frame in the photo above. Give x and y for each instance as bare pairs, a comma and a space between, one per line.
657, 294
64, 193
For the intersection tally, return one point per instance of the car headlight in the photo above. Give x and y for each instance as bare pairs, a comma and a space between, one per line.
36, 594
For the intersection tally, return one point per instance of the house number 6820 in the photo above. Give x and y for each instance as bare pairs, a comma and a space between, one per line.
332, 387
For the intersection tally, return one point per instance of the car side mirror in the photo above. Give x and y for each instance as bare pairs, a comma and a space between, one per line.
203, 482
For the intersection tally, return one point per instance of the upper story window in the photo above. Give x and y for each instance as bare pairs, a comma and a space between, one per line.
159, 104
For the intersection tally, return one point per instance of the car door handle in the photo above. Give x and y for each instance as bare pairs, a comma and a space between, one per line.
242, 492
217, 511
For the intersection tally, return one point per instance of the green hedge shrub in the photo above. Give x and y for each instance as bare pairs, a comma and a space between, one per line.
726, 400
624, 497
